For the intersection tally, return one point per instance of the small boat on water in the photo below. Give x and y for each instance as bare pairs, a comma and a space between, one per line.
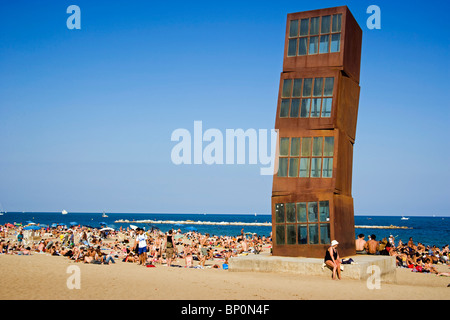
64, 212
404, 218
104, 215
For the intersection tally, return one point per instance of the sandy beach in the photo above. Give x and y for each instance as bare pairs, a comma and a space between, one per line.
40, 276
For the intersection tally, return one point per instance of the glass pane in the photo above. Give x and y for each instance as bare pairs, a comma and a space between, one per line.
295, 147
301, 211
312, 212
302, 46
282, 169
287, 84
304, 167
335, 42
329, 83
318, 86
302, 234
306, 103
293, 29
317, 146
306, 147
328, 147
324, 40
313, 234
279, 213
327, 168
324, 208
325, 26
313, 45
295, 106
307, 87
284, 108
326, 107
284, 146
325, 233
315, 108
315, 167
293, 167
304, 27
281, 237
290, 212
297, 88
314, 26
291, 234
336, 23
292, 48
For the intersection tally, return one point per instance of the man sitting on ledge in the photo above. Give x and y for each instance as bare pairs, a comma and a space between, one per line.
372, 245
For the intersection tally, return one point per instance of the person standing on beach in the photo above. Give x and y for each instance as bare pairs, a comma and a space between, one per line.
20, 238
170, 246
332, 259
411, 243
141, 241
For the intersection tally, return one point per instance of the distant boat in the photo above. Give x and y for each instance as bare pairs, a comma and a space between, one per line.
64, 212
104, 215
404, 218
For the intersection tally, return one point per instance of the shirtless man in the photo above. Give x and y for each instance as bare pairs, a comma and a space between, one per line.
360, 243
371, 246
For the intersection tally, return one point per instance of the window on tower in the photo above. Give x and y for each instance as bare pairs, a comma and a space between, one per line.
307, 98
317, 35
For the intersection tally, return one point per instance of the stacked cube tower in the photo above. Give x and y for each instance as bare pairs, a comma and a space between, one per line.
317, 110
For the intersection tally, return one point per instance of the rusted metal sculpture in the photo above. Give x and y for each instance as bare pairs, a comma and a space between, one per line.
317, 110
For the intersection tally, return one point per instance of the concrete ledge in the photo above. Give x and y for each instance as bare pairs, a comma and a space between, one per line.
385, 266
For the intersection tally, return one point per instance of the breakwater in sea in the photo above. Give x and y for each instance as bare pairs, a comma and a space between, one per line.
233, 223
215, 223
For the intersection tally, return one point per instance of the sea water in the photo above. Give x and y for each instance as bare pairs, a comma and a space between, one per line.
427, 230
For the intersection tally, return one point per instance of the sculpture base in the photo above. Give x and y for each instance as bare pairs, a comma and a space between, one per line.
383, 266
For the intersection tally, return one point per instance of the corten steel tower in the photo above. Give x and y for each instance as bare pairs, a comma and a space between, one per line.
316, 117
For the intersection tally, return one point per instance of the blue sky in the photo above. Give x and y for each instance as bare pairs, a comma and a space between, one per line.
86, 115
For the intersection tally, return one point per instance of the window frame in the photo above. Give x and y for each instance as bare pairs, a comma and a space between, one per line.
298, 223
298, 35
286, 102
287, 157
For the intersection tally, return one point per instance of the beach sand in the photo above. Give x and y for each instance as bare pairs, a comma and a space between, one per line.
41, 276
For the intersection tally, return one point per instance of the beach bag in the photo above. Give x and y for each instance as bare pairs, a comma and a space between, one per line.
347, 261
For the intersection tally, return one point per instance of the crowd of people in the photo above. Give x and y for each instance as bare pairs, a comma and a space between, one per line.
191, 250
145, 248
418, 257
